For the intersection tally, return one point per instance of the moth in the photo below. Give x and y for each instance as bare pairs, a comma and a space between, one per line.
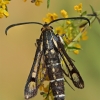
49, 53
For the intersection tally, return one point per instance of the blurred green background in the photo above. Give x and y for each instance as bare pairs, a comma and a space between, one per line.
17, 49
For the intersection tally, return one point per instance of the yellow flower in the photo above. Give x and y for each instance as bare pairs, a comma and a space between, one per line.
68, 22
78, 8
41, 87
76, 51
70, 38
50, 17
44, 89
78, 46
3, 8
67, 39
1, 15
70, 28
64, 13
6, 13
38, 2
4, 2
60, 30
84, 36
3, 12
75, 7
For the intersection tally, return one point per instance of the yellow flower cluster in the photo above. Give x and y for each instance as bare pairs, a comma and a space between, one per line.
37, 2
78, 8
64, 13
50, 17
3, 8
68, 30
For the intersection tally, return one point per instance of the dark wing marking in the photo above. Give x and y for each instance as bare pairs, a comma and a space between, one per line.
74, 74
33, 82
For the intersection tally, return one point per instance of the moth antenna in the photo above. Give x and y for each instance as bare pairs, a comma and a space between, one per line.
76, 18
13, 25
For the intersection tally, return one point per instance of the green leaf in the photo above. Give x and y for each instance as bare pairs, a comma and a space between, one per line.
48, 3
44, 95
84, 13
92, 9
74, 48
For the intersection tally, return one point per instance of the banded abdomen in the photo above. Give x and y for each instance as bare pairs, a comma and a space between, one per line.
53, 65
55, 75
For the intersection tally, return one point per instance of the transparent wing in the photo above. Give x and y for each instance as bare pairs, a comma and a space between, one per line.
73, 73
35, 79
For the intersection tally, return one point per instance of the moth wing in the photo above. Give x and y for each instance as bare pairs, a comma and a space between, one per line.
34, 80
73, 73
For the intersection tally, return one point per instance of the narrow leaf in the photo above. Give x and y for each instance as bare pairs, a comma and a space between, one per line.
74, 48
92, 9
48, 3
84, 13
